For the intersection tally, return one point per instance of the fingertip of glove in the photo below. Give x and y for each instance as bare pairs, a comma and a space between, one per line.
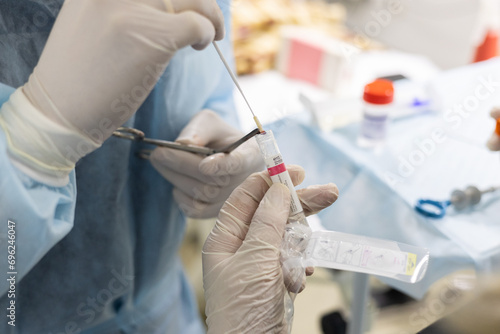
494, 143
495, 112
296, 168
201, 46
220, 35
332, 187
220, 31
198, 30
318, 197
331, 193
297, 173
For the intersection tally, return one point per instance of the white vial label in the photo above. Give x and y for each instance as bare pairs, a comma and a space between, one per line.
279, 174
374, 127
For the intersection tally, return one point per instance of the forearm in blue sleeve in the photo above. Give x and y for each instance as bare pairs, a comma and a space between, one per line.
33, 216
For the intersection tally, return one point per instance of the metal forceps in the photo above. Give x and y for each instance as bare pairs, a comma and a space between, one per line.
138, 135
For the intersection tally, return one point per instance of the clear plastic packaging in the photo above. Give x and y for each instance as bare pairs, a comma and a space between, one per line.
366, 255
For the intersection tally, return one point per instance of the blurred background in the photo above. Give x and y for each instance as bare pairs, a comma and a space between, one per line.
445, 31
309, 61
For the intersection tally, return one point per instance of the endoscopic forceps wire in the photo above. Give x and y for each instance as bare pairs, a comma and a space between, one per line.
138, 135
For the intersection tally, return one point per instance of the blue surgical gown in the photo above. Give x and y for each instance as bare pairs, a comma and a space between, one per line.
100, 254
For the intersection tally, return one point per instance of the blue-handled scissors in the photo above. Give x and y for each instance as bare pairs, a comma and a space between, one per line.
460, 199
431, 208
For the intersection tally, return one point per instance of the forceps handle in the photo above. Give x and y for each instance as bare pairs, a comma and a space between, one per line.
137, 135
176, 146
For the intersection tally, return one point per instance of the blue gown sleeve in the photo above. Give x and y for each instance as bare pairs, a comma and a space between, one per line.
33, 216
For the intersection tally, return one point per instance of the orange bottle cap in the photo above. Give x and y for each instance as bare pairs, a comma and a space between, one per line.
497, 130
488, 48
380, 91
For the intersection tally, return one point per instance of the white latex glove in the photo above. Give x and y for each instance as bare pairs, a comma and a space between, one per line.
242, 276
494, 141
101, 60
202, 184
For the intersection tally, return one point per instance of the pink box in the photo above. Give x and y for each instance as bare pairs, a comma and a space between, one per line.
314, 57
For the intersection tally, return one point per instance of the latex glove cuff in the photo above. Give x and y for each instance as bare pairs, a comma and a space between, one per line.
41, 148
494, 141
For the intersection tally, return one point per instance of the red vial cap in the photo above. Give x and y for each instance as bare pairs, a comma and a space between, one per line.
380, 91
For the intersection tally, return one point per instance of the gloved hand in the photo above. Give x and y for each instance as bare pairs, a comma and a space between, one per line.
242, 276
494, 141
100, 63
202, 184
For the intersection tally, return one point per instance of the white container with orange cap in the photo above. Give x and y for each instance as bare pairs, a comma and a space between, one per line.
378, 97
